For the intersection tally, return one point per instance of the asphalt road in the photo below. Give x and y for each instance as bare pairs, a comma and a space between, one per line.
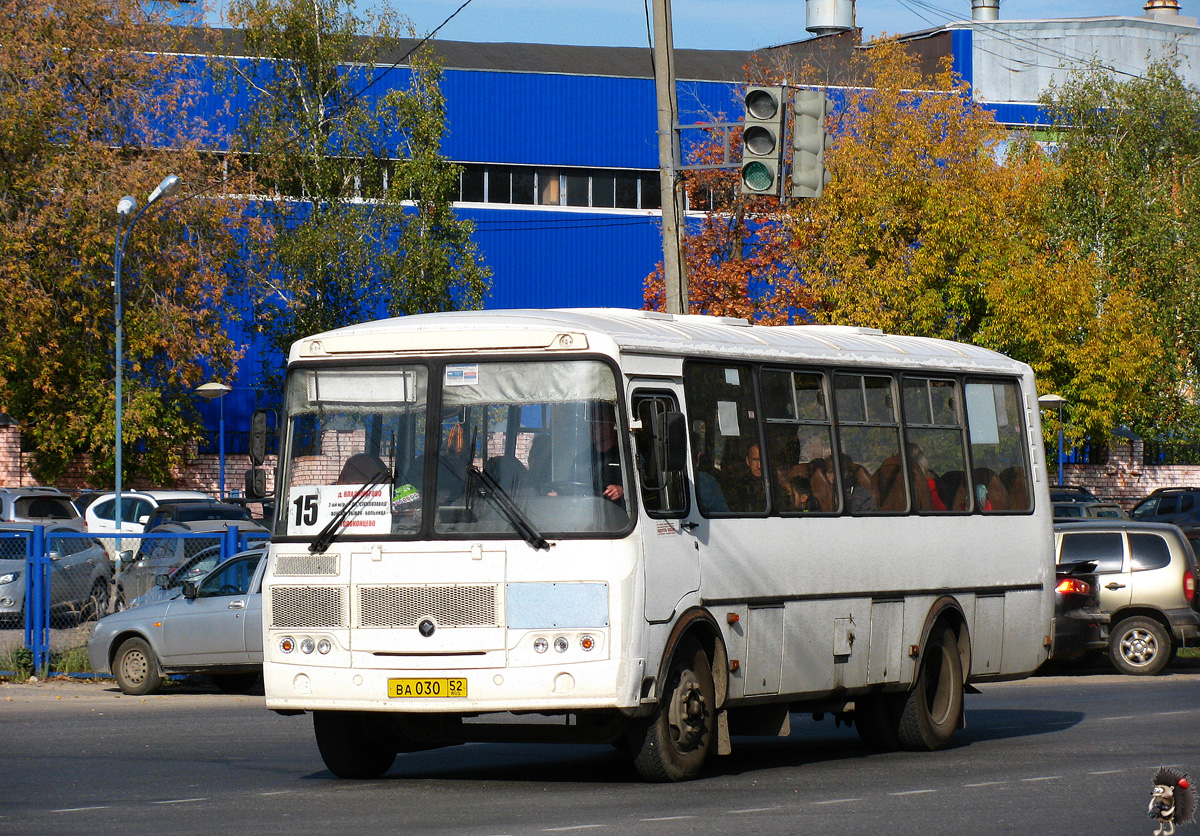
1069, 754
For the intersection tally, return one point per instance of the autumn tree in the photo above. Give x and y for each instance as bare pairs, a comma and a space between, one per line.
1129, 194
361, 196
94, 104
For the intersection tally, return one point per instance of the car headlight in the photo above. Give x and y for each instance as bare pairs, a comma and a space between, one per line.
9, 577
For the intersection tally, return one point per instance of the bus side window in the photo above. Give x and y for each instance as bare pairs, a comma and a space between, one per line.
721, 400
995, 426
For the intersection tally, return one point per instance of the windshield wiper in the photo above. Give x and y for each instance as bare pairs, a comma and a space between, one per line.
333, 528
515, 516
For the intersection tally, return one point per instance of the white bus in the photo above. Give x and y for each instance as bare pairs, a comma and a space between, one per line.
649, 530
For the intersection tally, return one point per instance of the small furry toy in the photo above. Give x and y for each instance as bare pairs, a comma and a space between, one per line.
1173, 800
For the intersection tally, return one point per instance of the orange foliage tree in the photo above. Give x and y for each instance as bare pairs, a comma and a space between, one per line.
95, 104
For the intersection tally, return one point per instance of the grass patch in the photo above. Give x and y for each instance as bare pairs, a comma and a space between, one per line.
1189, 653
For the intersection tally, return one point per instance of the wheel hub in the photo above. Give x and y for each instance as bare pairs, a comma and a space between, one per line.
687, 711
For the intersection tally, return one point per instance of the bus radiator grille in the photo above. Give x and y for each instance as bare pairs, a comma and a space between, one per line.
306, 564
308, 606
448, 606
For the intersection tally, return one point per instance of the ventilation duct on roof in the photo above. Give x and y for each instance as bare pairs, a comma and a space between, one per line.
1162, 8
985, 9
828, 17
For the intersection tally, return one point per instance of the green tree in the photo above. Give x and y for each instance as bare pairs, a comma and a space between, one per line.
94, 104
1129, 194
362, 214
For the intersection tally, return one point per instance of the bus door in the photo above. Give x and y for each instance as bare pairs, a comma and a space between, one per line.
672, 560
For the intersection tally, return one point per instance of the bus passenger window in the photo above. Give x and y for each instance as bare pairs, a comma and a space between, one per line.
995, 426
799, 441
935, 444
723, 415
870, 445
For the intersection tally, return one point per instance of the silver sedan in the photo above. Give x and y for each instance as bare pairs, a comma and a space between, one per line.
214, 628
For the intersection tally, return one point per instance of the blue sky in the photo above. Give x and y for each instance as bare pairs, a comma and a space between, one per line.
710, 24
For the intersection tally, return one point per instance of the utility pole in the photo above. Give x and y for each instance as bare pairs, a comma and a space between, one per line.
670, 185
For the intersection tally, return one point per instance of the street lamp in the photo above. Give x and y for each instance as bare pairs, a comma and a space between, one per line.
1050, 402
216, 391
127, 206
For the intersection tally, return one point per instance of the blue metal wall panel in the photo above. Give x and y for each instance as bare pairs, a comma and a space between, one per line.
962, 56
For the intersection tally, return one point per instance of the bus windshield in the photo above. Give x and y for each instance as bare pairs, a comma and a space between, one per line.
408, 446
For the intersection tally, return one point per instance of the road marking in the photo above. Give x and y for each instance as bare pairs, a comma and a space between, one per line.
1125, 717
1168, 713
78, 809
670, 818
751, 810
573, 827
179, 801
277, 792
837, 801
986, 784
1044, 778
911, 792
1108, 772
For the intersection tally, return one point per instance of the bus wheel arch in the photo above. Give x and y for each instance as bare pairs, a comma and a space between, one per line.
675, 740
932, 709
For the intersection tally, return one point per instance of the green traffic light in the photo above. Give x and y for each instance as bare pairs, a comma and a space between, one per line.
757, 176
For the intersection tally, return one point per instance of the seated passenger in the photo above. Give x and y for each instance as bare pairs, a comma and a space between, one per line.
708, 494
743, 482
858, 489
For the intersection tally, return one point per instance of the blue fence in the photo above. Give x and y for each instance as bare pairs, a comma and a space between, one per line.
51, 577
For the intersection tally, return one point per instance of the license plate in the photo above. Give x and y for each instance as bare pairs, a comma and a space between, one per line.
434, 688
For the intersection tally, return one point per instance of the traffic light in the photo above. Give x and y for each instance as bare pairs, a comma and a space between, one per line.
809, 141
762, 140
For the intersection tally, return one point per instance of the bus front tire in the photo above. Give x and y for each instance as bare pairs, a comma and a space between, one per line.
349, 746
933, 708
673, 744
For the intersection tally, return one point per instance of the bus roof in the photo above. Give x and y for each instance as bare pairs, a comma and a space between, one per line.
622, 331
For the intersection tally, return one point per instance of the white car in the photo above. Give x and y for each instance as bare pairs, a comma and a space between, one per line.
100, 517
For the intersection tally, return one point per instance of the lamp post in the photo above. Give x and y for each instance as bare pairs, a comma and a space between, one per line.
127, 206
1050, 402
216, 391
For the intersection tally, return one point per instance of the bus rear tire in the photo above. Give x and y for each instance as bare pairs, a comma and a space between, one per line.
673, 744
933, 708
350, 746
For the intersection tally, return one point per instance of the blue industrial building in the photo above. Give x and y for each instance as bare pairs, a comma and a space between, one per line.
559, 146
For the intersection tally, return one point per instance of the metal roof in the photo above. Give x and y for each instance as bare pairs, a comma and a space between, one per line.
648, 332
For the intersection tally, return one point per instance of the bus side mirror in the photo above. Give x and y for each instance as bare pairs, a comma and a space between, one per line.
256, 483
259, 433
670, 433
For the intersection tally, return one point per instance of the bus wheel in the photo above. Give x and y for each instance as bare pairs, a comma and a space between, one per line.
933, 708
349, 746
673, 744
877, 720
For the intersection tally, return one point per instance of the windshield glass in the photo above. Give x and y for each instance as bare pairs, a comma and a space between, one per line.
546, 432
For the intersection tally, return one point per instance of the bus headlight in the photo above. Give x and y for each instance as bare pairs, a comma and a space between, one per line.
287, 644
323, 646
561, 644
540, 645
307, 645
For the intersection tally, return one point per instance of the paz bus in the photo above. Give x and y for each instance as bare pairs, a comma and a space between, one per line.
648, 530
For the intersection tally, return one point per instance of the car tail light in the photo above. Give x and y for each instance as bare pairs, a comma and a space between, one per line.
1189, 585
1073, 586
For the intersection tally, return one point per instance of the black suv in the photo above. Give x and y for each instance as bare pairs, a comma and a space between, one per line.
1180, 506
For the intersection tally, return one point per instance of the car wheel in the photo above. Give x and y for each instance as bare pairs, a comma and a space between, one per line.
136, 668
94, 608
350, 747
674, 742
1139, 646
236, 683
933, 708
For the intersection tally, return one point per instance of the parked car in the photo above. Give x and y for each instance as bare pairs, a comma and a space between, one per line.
1071, 493
80, 573
1147, 587
192, 512
1080, 625
136, 508
47, 506
170, 584
213, 628
1180, 506
163, 555
1088, 510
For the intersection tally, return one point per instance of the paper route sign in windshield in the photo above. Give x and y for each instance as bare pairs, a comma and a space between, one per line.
312, 507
